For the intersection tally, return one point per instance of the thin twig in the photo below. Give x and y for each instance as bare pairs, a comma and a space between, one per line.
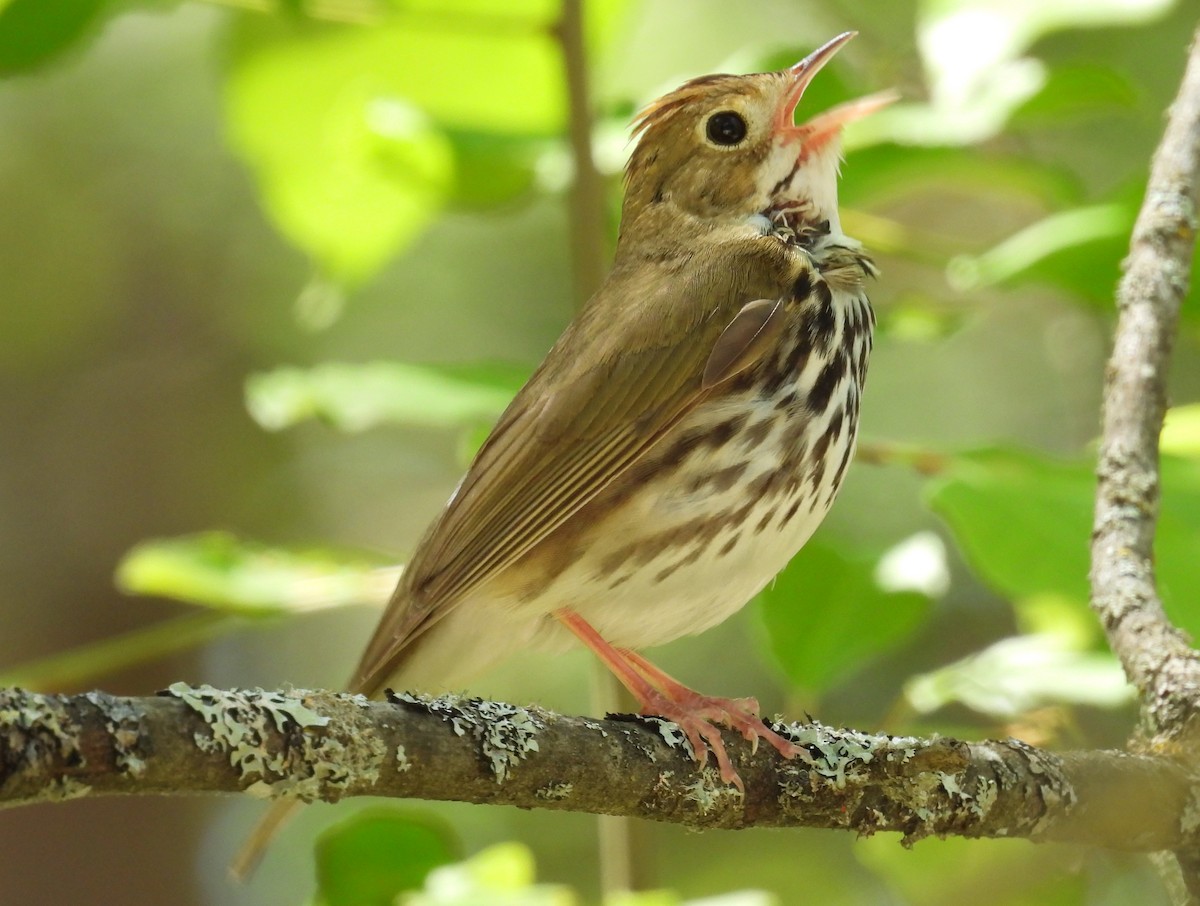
586, 204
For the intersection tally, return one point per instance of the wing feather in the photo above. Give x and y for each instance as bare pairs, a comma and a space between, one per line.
618, 379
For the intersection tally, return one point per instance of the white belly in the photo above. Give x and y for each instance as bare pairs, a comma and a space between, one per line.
699, 575
676, 558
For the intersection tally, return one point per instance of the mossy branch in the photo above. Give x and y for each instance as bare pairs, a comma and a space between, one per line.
327, 746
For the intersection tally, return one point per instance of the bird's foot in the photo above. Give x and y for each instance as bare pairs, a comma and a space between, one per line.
696, 715
661, 695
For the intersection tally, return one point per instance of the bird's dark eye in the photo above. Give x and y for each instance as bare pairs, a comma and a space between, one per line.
726, 128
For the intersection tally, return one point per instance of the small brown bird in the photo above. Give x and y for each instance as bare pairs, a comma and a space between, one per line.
686, 434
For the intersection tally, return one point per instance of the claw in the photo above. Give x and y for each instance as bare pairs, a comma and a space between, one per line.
663, 696
695, 714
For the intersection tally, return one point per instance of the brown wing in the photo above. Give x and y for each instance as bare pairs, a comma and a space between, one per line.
618, 379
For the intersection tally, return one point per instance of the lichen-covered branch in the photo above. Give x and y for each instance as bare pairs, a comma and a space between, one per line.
1157, 658
324, 745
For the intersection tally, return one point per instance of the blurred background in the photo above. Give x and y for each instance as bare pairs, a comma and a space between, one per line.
270, 267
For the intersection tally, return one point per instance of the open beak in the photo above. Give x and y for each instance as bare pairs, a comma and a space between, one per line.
824, 126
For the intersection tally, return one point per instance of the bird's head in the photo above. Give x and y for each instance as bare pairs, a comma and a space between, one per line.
724, 147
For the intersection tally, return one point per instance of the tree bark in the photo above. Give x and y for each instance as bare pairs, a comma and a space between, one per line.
1157, 657
326, 746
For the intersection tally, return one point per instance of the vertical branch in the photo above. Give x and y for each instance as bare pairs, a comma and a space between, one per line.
1156, 656
586, 207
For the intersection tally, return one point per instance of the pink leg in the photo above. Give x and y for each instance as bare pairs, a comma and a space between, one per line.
660, 695
741, 714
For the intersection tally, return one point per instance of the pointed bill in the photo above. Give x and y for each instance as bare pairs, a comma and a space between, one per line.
803, 73
818, 131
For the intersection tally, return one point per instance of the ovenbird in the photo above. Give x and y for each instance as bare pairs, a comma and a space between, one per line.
685, 435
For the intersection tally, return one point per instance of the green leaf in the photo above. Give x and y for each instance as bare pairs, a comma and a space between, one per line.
977, 72
1036, 250
886, 172
491, 169
1024, 522
1018, 674
483, 13
349, 169
357, 397
502, 875
1078, 250
825, 614
1181, 431
1075, 91
504, 868
346, 128
33, 32
644, 898
215, 569
377, 854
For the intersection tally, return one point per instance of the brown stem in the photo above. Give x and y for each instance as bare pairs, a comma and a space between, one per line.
1157, 657
586, 204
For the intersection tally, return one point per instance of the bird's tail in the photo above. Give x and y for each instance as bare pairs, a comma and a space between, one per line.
255, 846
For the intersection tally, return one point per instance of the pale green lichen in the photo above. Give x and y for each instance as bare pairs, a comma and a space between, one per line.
402, 762
1189, 820
509, 735
555, 792
38, 738
123, 723
506, 733
960, 798
707, 791
702, 793
841, 757
672, 734
313, 763
69, 788
950, 784
835, 754
1056, 793
640, 742
986, 795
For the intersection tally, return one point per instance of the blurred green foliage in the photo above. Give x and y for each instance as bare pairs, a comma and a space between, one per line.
1024, 522
409, 161
826, 614
216, 570
357, 397
357, 862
